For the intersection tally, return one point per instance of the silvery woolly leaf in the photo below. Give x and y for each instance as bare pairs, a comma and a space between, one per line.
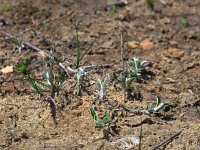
40, 87
129, 81
157, 101
80, 72
134, 62
159, 107
49, 76
61, 82
145, 63
99, 85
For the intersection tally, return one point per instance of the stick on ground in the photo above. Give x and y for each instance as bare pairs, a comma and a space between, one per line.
168, 140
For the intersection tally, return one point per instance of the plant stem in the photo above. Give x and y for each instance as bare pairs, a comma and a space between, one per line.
122, 58
140, 144
78, 53
87, 50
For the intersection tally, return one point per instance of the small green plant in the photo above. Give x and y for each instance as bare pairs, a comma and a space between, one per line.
150, 4
126, 83
101, 88
7, 7
22, 67
113, 9
104, 121
134, 73
80, 75
136, 67
184, 22
45, 26
50, 86
154, 109
52, 83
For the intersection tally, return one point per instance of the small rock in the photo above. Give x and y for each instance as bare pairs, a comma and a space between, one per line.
125, 16
132, 44
151, 27
147, 45
170, 80
176, 53
107, 44
173, 43
7, 69
165, 21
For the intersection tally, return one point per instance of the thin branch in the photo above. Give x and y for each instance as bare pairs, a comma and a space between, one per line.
27, 44
122, 57
122, 49
168, 140
88, 49
97, 66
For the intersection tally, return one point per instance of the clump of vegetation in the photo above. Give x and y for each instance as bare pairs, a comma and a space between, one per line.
136, 67
158, 106
49, 86
22, 68
126, 83
105, 122
51, 83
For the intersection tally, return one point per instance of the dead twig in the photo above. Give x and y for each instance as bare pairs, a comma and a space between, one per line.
122, 34
126, 108
168, 140
98, 66
27, 44
87, 50
53, 108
